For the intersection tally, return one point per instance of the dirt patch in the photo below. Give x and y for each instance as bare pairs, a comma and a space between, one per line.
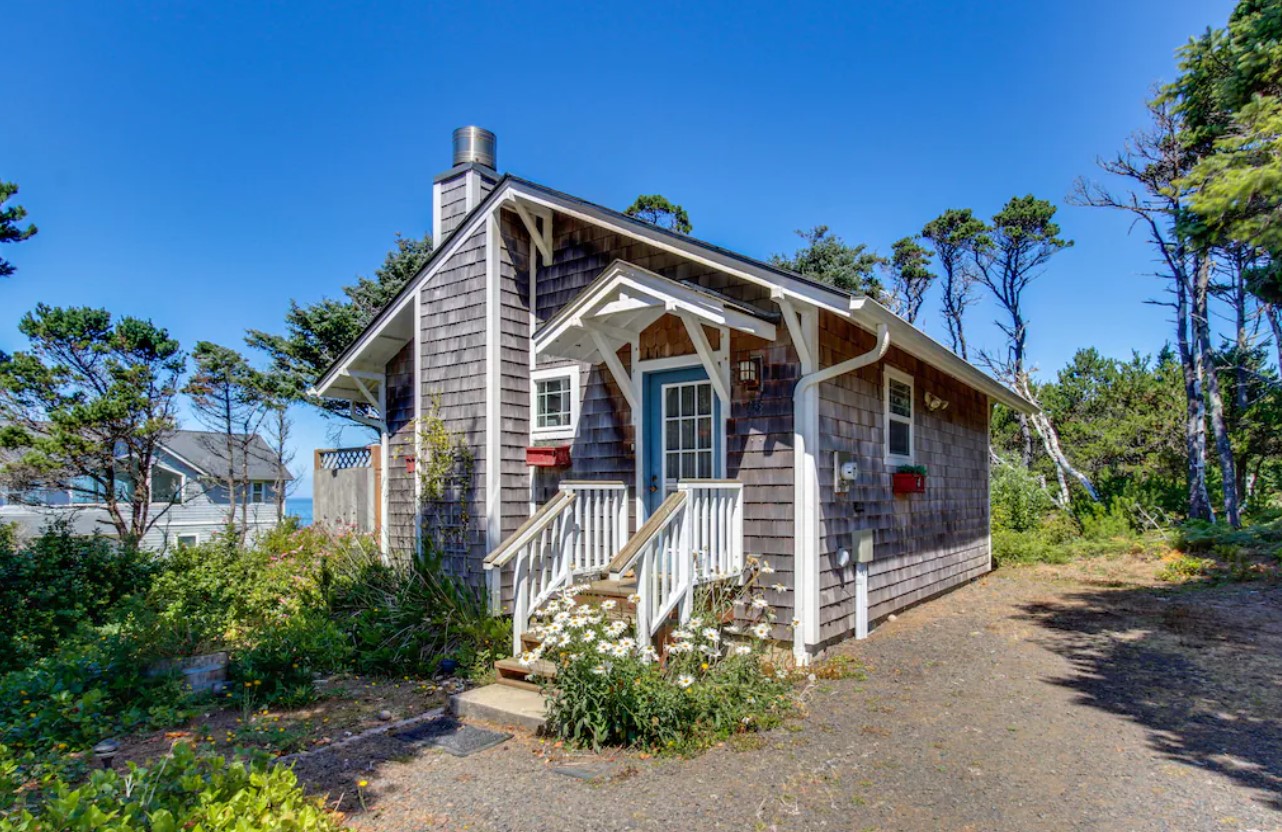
348, 706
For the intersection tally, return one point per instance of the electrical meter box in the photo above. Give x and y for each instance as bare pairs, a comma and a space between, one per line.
844, 471
862, 546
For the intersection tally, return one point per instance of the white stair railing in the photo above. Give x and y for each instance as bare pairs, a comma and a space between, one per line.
540, 552
575, 533
601, 518
660, 555
716, 528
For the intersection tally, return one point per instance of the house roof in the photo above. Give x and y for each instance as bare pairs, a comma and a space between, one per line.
864, 310
206, 451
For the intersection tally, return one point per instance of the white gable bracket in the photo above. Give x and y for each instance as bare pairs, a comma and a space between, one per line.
704, 349
542, 237
611, 359
792, 318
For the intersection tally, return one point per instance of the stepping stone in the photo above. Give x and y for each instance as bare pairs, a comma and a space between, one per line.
450, 735
591, 772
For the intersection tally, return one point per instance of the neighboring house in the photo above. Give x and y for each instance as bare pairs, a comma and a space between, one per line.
189, 494
643, 404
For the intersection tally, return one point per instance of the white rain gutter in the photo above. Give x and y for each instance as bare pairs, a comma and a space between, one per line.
806, 472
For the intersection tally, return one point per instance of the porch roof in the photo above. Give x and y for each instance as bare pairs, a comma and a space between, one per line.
625, 299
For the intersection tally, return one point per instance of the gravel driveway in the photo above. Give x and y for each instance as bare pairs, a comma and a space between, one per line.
1081, 697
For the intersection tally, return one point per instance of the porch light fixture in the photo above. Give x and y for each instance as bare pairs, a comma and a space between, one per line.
749, 372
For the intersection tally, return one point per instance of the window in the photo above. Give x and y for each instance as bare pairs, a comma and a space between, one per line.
899, 417
187, 539
556, 402
258, 492
687, 433
166, 485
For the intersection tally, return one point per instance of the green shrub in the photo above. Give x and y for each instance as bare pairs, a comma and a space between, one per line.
281, 664
1184, 568
1111, 522
405, 618
1019, 499
59, 582
611, 691
1012, 547
91, 689
184, 791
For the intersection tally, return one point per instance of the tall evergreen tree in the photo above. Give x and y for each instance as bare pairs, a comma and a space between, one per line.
957, 235
11, 230
827, 258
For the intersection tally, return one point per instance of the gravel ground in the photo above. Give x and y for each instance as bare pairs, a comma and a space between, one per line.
1070, 698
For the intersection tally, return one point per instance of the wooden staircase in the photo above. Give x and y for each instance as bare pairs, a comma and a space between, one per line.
514, 674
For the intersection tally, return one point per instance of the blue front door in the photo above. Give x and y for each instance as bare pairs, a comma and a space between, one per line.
682, 431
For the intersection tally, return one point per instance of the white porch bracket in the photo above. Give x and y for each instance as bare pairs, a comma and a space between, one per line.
359, 378
792, 318
704, 349
610, 356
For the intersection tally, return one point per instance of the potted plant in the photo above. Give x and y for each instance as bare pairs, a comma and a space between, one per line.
909, 479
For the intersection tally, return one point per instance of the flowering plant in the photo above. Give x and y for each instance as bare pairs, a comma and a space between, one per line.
611, 690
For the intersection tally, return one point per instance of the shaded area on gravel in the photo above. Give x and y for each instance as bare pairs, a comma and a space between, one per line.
1201, 671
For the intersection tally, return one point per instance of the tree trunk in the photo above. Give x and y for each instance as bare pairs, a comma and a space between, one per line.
1051, 444
1274, 316
1199, 498
1211, 393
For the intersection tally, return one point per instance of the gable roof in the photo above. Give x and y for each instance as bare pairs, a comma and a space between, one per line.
206, 451
864, 310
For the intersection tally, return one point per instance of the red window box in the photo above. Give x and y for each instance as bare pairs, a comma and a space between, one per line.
548, 456
908, 483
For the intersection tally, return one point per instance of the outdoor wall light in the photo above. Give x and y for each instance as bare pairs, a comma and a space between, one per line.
934, 402
749, 372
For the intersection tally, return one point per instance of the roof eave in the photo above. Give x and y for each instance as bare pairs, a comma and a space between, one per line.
910, 339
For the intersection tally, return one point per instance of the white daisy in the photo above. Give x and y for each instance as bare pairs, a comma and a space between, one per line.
766, 568
604, 647
609, 604
761, 630
742, 650
760, 603
634, 598
711, 634
681, 647
779, 588
685, 680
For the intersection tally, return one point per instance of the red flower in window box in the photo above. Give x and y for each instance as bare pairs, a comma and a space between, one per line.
909, 479
548, 456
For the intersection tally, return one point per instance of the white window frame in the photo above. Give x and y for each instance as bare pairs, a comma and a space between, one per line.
560, 431
182, 484
195, 538
891, 374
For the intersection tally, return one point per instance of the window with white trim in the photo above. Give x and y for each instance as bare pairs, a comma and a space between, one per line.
555, 397
191, 539
258, 492
899, 417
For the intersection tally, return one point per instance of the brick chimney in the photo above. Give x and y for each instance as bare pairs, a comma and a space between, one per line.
462, 187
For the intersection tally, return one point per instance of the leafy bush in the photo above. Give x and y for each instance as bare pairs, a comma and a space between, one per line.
91, 689
283, 661
1019, 499
58, 583
1100, 522
612, 691
406, 618
1185, 567
184, 791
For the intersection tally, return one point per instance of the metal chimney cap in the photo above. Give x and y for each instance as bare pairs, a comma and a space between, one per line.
475, 145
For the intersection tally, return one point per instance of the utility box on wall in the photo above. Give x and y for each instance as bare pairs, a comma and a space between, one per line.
862, 546
844, 471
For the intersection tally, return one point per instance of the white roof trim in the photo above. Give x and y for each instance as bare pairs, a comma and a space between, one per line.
863, 310
624, 300
910, 339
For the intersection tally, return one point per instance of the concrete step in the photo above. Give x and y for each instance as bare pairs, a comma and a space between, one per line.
501, 705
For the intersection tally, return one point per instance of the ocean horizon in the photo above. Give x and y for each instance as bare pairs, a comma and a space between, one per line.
300, 507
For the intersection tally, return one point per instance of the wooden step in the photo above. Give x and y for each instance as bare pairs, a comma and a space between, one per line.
512, 673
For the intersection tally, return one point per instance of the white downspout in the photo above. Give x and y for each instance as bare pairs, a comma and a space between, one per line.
806, 477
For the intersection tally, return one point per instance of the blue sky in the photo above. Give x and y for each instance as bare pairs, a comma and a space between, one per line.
202, 164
